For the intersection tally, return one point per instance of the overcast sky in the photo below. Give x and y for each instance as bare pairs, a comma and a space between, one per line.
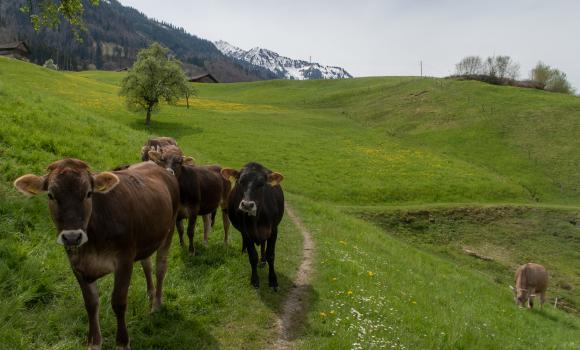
388, 37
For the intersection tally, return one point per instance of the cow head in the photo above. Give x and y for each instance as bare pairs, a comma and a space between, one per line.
70, 187
520, 296
171, 158
252, 179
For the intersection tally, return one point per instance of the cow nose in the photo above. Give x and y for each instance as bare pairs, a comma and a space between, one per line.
247, 206
72, 238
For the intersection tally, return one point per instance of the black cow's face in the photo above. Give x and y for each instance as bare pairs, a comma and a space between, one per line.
70, 186
171, 159
252, 181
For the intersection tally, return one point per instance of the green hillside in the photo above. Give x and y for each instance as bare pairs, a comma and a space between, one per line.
352, 153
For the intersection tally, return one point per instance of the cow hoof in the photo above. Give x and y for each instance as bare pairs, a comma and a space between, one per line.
275, 288
94, 347
192, 252
124, 347
156, 306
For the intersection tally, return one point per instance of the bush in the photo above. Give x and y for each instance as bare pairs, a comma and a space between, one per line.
551, 79
50, 64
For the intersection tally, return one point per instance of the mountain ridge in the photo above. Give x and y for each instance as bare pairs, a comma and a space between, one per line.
283, 67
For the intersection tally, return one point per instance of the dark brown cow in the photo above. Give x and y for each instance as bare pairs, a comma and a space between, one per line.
156, 144
531, 279
202, 190
106, 221
255, 208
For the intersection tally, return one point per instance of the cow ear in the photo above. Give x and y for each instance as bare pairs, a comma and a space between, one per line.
106, 181
229, 174
188, 161
30, 185
275, 178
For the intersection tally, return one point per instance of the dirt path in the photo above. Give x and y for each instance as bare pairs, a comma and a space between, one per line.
294, 308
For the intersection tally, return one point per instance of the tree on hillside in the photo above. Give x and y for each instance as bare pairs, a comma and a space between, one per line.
48, 13
551, 79
189, 92
501, 67
154, 77
50, 64
470, 65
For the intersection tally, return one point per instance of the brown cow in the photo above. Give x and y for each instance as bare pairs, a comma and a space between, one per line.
156, 144
530, 279
202, 191
106, 221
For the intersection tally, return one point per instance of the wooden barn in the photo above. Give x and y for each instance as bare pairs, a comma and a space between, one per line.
203, 78
17, 49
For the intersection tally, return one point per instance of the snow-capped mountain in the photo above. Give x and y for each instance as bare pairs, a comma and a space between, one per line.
282, 67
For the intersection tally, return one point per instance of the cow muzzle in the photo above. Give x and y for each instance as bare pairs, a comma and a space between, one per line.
171, 171
248, 207
72, 238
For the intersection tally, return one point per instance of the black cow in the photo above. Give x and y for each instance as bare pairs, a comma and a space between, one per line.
255, 208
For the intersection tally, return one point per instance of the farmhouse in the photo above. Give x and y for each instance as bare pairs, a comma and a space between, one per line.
17, 49
203, 78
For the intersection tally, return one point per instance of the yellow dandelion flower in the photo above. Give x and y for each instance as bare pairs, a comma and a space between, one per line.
413, 302
371, 274
349, 292
323, 314
334, 278
342, 242
332, 312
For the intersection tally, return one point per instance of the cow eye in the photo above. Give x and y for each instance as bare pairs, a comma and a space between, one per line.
50, 196
89, 194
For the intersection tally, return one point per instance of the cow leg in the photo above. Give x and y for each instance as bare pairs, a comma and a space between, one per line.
207, 223
253, 257
179, 225
263, 254
226, 222
190, 232
542, 299
213, 213
148, 270
270, 255
530, 302
91, 298
119, 302
161, 266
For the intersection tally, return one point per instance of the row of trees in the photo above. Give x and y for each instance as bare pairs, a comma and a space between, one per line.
500, 67
504, 70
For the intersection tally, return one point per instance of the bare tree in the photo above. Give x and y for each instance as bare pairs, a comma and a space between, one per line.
501, 67
470, 65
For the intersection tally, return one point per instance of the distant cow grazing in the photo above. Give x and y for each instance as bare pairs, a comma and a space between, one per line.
156, 144
255, 208
202, 191
107, 221
531, 279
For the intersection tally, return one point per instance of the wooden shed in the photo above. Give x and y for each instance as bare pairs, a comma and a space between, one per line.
203, 78
17, 49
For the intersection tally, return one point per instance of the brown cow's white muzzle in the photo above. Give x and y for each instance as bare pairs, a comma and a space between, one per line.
171, 171
72, 238
248, 207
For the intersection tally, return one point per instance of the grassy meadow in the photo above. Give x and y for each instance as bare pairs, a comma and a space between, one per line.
364, 160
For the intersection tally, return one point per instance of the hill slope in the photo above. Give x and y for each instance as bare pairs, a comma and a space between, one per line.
342, 146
